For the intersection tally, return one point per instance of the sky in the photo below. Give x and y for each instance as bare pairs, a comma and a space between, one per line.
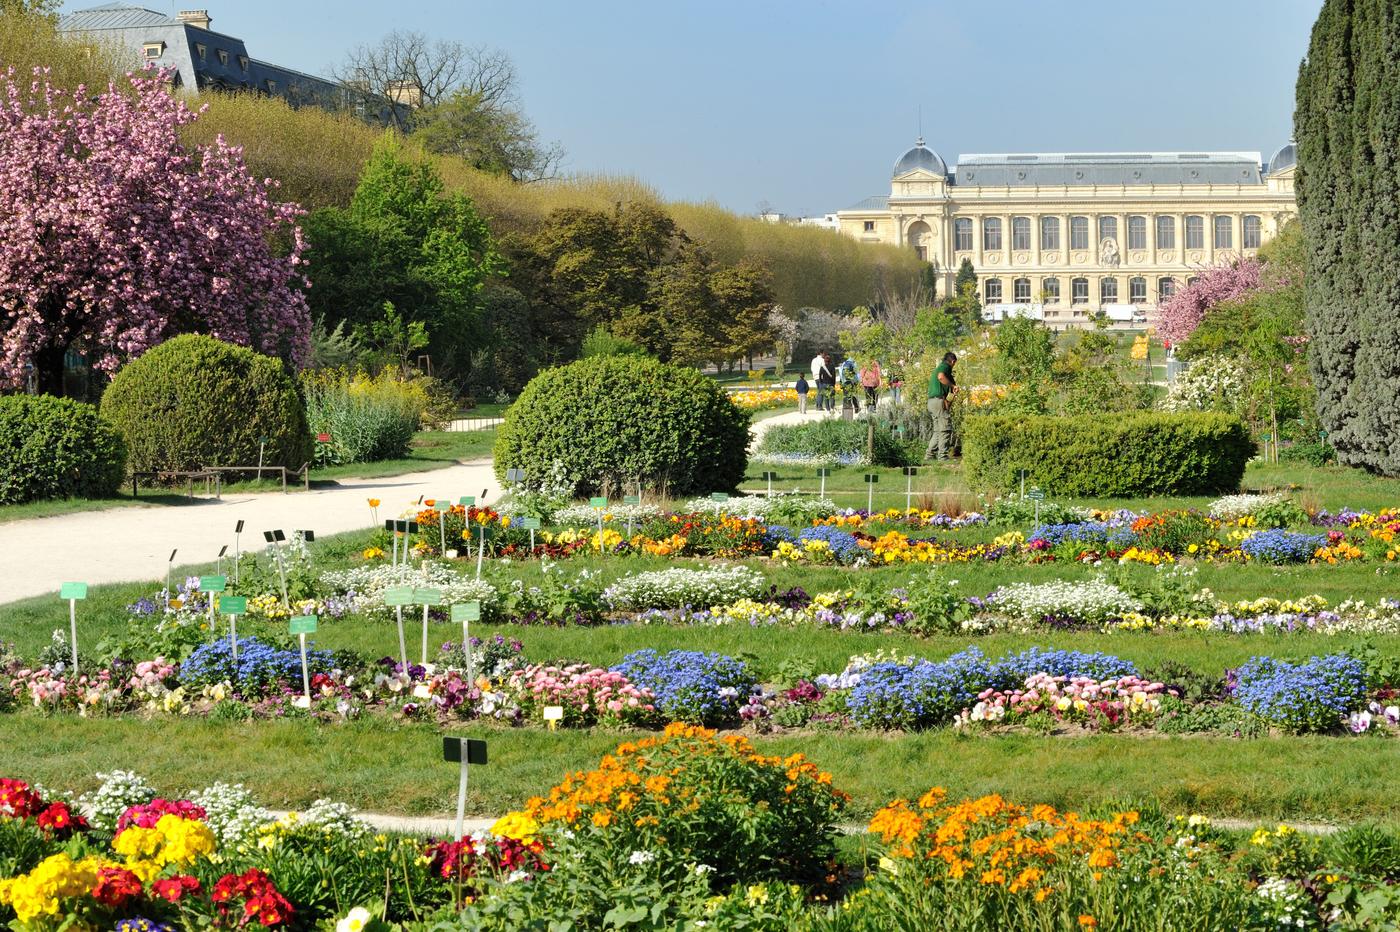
804, 107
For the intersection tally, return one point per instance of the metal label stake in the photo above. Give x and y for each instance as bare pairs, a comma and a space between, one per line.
466, 613
426, 598
463, 751
74, 592
301, 627
398, 597
233, 606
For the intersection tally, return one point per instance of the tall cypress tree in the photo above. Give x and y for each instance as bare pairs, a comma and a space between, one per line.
1347, 126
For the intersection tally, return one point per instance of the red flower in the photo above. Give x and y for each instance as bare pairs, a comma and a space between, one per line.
175, 888
115, 886
148, 814
261, 900
17, 800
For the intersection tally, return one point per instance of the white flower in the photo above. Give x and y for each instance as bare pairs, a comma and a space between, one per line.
354, 921
641, 857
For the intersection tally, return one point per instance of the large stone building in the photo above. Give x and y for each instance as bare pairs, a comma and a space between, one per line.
1064, 236
205, 60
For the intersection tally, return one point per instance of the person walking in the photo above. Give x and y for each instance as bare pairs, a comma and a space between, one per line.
849, 381
941, 389
896, 378
870, 381
826, 384
820, 369
802, 389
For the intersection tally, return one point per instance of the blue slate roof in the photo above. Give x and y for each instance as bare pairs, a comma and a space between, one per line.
115, 16
1108, 168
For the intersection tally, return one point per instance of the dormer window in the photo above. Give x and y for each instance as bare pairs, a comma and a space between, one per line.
243, 62
223, 57
271, 86
153, 50
201, 50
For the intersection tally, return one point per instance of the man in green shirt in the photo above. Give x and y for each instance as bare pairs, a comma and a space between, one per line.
941, 389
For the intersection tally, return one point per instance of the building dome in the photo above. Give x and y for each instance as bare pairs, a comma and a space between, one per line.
1286, 157
920, 157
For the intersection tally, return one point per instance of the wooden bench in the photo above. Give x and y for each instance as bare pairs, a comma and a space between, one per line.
304, 472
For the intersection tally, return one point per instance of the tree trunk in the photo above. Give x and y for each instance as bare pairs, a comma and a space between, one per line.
48, 368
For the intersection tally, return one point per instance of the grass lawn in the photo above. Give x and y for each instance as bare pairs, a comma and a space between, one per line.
430, 450
397, 768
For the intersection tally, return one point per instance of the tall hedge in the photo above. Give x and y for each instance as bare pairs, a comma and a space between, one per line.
610, 421
1129, 454
56, 448
1347, 126
196, 401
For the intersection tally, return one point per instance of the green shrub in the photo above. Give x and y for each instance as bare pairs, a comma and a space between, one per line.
1130, 454
56, 448
195, 401
368, 418
611, 421
833, 439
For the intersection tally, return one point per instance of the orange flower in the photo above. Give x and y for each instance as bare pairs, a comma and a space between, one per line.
1087, 921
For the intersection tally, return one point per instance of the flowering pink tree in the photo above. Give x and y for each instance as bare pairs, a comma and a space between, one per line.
1183, 312
114, 236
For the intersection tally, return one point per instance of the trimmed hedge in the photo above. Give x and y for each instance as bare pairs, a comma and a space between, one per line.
1149, 453
196, 401
833, 437
606, 422
56, 448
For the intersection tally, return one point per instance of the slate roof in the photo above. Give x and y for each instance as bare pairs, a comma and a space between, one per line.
1107, 168
872, 203
115, 16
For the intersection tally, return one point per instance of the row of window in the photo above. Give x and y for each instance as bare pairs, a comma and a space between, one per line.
1079, 290
154, 50
1251, 232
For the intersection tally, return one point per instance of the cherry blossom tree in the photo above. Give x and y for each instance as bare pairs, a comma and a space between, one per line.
1183, 312
115, 236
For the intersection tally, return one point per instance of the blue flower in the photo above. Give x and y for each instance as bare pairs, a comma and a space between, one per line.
918, 695
690, 685
842, 543
1279, 546
1097, 533
261, 668
1011, 672
1312, 696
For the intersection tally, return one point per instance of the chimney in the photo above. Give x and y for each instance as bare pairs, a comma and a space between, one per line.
197, 18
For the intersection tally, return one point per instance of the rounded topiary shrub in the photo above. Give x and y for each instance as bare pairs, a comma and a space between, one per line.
196, 401
56, 448
605, 423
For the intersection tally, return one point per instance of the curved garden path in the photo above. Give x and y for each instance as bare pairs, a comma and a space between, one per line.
134, 543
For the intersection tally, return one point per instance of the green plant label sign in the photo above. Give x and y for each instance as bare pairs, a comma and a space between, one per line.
463, 750
823, 471
530, 524
872, 478
467, 501
213, 583
398, 595
769, 476
911, 470
442, 504
719, 496
598, 501
233, 604
303, 625
467, 611
631, 499
73, 590
515, 475
1035, 495
427, 596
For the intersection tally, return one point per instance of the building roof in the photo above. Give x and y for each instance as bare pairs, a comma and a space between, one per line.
1286, 157
115, 16
920, 157
1110, 168
872, 203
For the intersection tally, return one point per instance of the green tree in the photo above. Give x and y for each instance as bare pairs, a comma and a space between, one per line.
391, 340
1025, 353
486, 135
1345, 122
687, 324
743, 296
403, 240
602, 342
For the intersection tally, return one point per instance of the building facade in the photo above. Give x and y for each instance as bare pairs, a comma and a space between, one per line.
1061, 237
205, 60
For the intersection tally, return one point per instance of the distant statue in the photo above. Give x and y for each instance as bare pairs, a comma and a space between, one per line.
1108, 252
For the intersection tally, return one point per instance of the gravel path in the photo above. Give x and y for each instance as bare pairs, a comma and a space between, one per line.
134, 543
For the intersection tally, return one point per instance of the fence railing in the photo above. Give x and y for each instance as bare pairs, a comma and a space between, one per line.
474, 423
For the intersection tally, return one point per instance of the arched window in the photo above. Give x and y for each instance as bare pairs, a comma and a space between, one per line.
1166, 232
1021, 290
1250, 236
1195, 233
1050, 288
920, 237
1078, 232
1021, 233
1108, 228
962, 234
1079, 291
991, 234
1137, 232
1137, 289
1224, 232
993, 291
1108, 291
1049, 232
1166, 287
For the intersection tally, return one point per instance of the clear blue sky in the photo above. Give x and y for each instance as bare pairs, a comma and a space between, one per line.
806, 105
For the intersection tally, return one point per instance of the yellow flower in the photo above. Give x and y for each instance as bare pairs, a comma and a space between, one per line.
518, 825
756, 895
